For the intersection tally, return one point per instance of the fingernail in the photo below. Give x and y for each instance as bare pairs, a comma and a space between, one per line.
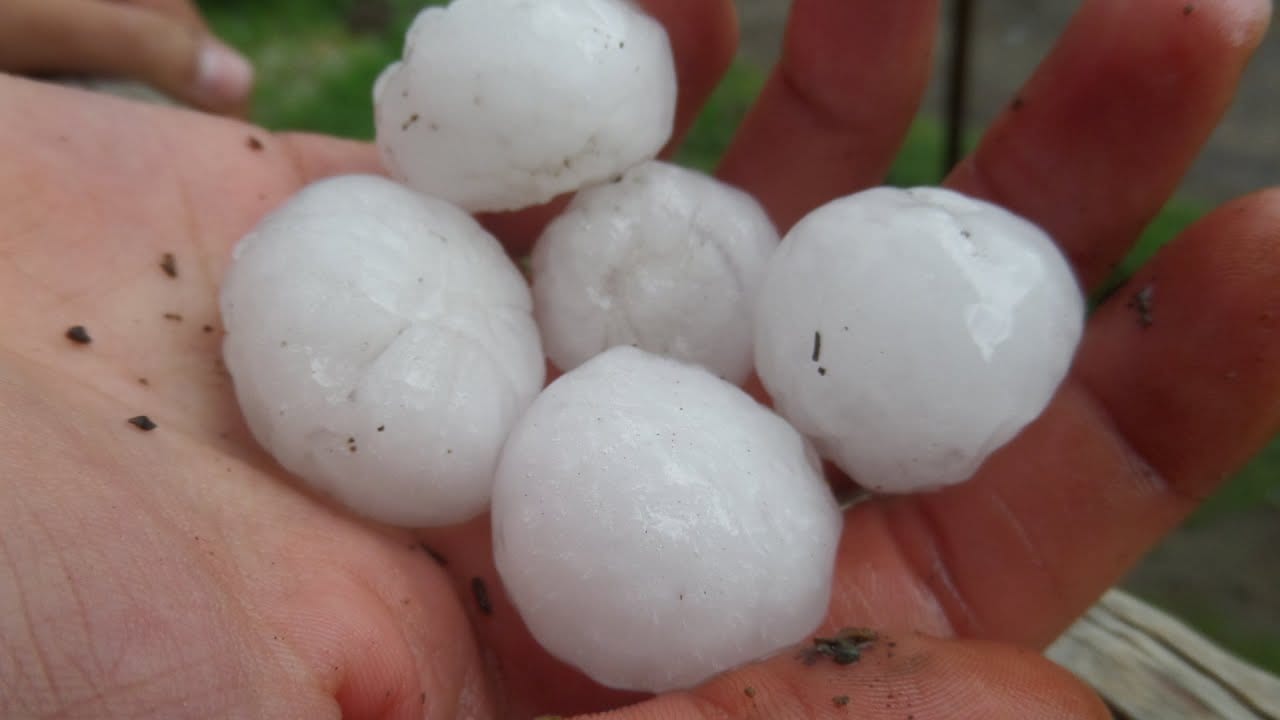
224, 77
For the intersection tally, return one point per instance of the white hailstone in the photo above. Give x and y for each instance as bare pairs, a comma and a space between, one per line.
381, 344
502, 104
665, 259
911, 333
654, 525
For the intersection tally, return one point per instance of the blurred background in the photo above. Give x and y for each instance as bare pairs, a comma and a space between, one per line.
316, 61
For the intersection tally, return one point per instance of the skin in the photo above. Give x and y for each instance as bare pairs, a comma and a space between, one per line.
158, 42
178, 573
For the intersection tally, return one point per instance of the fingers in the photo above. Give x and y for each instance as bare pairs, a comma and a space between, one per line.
907, 676
1100, 136
121, 39
838, 105
1176, 385
704, 36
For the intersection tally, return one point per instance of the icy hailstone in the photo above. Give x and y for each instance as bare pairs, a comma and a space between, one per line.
381, 344
911, 333
654, 525
502, 104
666, 259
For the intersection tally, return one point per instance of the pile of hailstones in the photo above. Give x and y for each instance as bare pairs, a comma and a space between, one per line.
653, 524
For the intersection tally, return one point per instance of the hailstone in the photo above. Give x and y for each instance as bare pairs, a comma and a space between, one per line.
665, 259
381, 345
502, 104
911, 333
654, 525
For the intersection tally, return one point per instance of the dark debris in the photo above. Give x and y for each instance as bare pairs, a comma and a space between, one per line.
481, 593
77, 334
843, 648
143, 423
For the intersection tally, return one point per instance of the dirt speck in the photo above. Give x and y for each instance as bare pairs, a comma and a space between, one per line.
840, 700
1143, 302
173, 317
253, 143
481, 593
409, 123
817, 345
78, 335
143, 423
1188, 9
843, 648
749, 691
169, 264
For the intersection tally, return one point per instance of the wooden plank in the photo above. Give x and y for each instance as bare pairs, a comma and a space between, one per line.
1150, 666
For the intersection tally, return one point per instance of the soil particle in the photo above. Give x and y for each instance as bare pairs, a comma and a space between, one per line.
169, 264
78, 335
481, 593
843, 648
143, 423
253, 143
1143, 303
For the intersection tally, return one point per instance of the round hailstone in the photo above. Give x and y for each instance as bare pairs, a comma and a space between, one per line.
502, 104
654, 525
665, 259
911, 333
381, 344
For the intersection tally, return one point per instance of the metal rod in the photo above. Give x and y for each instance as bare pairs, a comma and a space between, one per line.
958, 82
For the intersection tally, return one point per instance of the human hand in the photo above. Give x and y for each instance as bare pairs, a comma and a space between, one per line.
179, 573
163, 43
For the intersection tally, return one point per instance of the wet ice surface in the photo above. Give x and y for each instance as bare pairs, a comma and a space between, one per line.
910, 333
502, 104
666, 259
381, 345
654, 525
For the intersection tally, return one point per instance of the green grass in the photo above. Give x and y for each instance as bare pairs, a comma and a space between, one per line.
317, 62
316, 59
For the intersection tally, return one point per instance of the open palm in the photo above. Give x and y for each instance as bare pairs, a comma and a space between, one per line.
180, 573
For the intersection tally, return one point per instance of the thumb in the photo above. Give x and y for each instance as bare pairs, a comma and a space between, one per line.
109, 38
909, 676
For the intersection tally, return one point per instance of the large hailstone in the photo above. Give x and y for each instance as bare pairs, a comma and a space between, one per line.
911, 333
381, 344
654, 525
502, 104
665, 259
